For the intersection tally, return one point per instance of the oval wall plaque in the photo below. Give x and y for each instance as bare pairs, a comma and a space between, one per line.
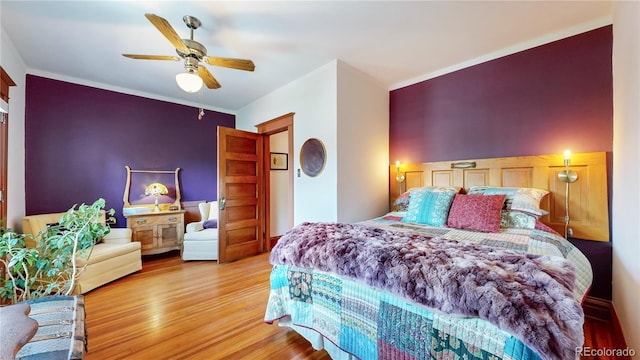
312, 157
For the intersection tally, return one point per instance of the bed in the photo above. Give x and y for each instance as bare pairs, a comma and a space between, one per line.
469, 273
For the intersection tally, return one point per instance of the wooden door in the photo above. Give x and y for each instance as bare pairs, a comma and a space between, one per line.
240, 194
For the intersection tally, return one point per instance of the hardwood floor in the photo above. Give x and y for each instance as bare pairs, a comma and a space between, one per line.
189, 310
201, 310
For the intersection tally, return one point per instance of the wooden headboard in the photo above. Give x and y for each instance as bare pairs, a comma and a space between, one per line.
588, 205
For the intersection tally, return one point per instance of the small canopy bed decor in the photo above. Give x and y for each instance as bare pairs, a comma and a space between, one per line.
468, 265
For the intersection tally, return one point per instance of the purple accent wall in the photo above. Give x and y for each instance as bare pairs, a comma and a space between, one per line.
78, 140
538, 101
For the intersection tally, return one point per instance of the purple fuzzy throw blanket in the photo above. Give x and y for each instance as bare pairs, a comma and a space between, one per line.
530, 296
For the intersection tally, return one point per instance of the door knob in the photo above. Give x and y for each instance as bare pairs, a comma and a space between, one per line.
222, 203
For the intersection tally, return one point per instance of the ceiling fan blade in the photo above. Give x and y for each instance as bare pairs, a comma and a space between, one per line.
151, 57
208, 79
239, 64
165, 28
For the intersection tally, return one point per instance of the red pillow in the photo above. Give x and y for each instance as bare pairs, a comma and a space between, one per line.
476, 212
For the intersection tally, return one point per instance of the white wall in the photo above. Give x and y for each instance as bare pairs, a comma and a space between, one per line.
279, 188
363, 146
626, 174
13, 64
313, 99
349, 112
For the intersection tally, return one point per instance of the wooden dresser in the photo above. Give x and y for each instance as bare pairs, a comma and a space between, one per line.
157, 232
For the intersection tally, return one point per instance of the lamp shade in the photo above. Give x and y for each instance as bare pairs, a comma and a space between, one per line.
189, 82
155, 189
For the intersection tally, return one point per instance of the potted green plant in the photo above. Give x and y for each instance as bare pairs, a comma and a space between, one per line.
50, 268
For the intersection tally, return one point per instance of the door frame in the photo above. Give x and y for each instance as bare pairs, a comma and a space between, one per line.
5, 84
268, 128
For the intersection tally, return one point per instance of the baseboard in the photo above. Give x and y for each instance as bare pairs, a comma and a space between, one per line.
597, 308
603, 310
274, 240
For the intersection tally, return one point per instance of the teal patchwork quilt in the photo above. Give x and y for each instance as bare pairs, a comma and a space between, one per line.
369, 323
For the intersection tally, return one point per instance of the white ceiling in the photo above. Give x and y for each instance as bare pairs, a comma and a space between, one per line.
395, 42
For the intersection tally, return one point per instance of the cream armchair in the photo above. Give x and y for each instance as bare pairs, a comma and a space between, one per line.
112, 258
201, 243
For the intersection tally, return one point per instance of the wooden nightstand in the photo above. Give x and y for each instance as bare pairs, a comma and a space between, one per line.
157, 232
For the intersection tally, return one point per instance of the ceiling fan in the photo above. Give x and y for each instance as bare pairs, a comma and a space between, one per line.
192, 52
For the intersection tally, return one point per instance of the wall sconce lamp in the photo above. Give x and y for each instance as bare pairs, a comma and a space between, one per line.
567, 176
399, 175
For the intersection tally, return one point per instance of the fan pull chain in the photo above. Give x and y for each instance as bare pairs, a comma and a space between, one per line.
201, 112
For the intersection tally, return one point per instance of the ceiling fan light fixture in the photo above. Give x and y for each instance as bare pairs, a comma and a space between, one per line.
193, 53
189, 82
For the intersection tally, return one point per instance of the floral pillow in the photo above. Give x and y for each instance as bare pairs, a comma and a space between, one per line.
429, 205
476, 212
517, 220
526, 200
402, 202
